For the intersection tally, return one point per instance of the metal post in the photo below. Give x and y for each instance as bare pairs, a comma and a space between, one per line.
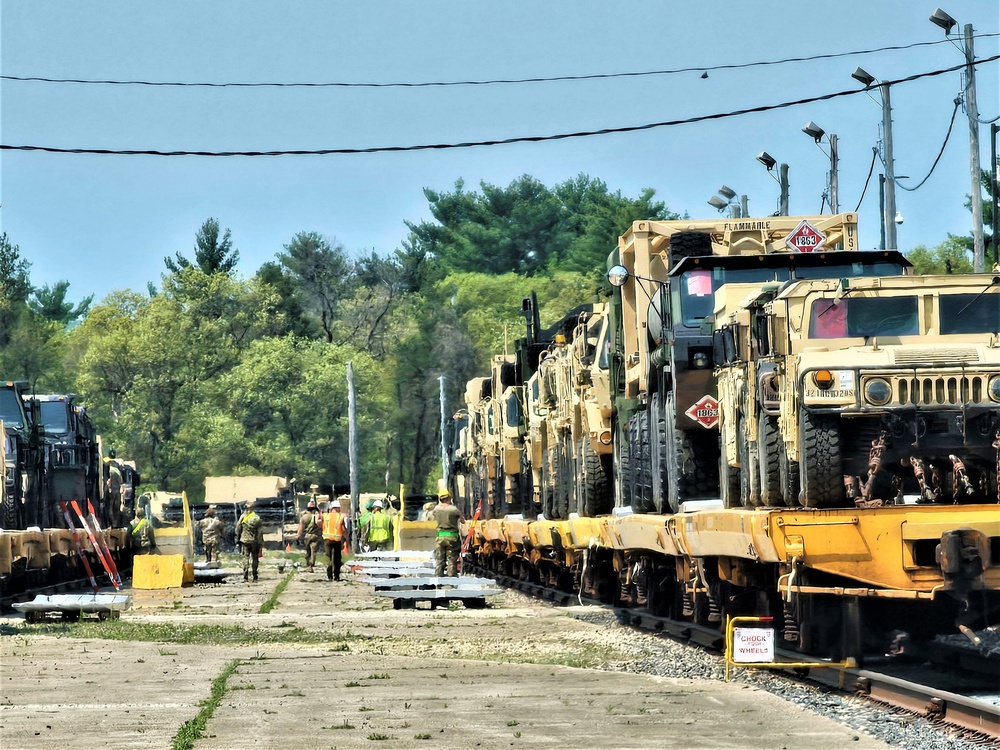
744, 203
995, 182
889, 214
834, 181
352, 439
783, 182
978, 251
881, 210
444, 445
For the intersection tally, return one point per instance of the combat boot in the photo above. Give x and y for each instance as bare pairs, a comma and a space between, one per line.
329, 574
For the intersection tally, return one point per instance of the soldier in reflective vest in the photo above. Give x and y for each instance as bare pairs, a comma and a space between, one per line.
334, 539
379, 528
142, 536
250, 532
311, 531
447, 517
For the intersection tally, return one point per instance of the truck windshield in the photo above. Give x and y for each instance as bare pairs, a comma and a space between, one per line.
54, 417
697, 287
970, 313
11, 409
862, 317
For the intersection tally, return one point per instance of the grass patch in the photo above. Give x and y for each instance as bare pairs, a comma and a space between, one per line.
353, 683
192, 635
378, 736
421, 736
383, 676
345, 724
272, 601
191, 730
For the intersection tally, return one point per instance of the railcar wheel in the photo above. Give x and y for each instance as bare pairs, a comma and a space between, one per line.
821, 471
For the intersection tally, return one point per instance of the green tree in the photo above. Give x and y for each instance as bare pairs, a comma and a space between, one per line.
50, 303
323, 277
212, 253
951, 256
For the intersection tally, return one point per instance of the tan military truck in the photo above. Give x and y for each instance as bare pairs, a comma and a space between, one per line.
886, 390
666, 439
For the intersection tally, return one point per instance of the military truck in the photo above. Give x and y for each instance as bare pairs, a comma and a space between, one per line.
881, 390
22, 461
666, 437
71, 455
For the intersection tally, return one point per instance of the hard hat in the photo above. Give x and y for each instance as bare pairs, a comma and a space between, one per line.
311, 504
443, 494
370, 505
377, 504
336, 504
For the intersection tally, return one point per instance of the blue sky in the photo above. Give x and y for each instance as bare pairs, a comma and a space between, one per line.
106, 222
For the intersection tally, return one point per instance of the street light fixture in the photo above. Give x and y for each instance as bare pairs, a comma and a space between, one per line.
737, 205
815, 132
767, 160
769, 163
889, 208
943, 20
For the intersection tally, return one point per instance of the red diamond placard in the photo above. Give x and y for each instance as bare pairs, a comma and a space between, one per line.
705, 411
805, 238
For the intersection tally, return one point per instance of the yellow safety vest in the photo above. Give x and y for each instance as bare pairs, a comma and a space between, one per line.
333, 526
378, 531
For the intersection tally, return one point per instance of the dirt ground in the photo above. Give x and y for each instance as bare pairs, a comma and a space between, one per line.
333, 666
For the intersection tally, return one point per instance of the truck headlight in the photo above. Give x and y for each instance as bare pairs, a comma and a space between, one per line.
995, 388
878, 391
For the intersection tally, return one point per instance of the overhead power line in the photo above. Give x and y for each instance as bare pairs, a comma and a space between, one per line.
496, 142
540, 79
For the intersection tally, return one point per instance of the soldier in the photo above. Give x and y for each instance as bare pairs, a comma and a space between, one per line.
447, 517
250, 533
311, 529
141, 534
379, 528
211, 534
334, 539
363, 522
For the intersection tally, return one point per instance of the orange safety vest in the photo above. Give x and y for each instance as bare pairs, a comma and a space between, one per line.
333, 526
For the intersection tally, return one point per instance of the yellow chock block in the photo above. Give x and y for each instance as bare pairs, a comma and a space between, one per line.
188, 573
158, 571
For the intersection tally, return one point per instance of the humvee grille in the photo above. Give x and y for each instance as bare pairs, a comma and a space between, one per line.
941, 390
939, 356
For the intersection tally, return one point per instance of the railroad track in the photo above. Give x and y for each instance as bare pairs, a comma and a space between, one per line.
978, 721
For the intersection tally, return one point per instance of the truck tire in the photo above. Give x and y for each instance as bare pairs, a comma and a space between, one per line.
694, 470
749, 491
821, 472
595, 483
769, 461
659, 455
642, 464
622, 469
690, 245
729, 483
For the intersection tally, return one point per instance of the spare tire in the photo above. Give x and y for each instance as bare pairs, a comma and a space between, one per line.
690, 245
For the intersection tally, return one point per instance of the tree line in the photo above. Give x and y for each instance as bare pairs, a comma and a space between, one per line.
207, 372
213, 373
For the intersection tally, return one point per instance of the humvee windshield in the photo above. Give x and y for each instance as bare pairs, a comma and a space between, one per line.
970, 313
697, 287
863, 317
11, 409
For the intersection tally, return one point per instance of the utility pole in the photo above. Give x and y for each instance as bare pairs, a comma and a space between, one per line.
444, 445
889, 215
972, 109
834, 180
783, 182
995, 183
352, 440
